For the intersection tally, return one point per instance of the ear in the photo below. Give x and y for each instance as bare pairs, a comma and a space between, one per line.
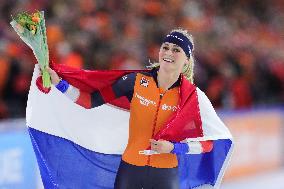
187, 62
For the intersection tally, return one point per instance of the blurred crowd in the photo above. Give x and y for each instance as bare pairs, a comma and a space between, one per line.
239, 45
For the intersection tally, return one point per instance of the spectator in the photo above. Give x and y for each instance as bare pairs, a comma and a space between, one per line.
240, 44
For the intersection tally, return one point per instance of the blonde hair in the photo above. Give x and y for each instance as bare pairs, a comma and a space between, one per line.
188, 68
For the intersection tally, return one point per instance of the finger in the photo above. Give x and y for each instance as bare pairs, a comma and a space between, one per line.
154, 142
154, 148
158, 143
157, 149
154, 145
49, 70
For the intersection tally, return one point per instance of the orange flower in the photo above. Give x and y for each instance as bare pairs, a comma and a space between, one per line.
33, 29
35, 19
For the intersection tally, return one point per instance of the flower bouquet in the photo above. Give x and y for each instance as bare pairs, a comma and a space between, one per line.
31, 29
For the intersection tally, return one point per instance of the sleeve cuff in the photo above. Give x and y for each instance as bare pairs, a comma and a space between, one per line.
180, 148
62, 86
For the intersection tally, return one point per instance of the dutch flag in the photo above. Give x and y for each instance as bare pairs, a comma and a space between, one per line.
81, 148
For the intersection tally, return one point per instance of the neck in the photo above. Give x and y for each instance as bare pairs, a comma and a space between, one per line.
166, 80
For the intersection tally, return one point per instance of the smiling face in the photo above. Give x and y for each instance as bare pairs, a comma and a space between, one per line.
172, 58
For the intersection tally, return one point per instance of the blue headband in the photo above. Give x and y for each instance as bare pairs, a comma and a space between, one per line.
180, 40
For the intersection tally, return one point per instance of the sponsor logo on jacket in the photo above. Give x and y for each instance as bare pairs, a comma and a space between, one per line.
144, 82
167, 107
146, 102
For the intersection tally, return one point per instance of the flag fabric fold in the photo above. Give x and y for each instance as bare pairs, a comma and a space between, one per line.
81, 148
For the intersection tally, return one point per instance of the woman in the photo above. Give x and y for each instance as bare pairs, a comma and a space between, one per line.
154, 98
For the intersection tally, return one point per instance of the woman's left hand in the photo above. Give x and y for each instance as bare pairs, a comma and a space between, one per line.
161, 146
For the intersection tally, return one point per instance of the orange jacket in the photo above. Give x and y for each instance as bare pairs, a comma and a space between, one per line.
149, 110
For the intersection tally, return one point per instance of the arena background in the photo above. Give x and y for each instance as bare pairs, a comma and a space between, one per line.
239, 52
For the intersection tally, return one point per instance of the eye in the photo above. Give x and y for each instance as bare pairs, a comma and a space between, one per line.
165, 48
176, 50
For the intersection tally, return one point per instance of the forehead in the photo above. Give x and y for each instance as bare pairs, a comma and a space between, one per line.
170, 44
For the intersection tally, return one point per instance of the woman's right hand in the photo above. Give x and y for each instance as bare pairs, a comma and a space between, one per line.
55, 79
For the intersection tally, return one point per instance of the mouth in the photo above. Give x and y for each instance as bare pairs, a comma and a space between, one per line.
168, 60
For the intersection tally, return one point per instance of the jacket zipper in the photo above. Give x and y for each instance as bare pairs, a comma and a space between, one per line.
155, 121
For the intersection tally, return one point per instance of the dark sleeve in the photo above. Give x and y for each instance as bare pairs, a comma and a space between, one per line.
125, 86
122, 87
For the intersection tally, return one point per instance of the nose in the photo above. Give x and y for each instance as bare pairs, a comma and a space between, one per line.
169, 52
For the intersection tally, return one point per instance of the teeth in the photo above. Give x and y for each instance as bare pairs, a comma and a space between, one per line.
167, 60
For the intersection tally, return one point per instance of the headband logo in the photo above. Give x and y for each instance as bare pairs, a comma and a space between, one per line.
175, 37
189, 49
